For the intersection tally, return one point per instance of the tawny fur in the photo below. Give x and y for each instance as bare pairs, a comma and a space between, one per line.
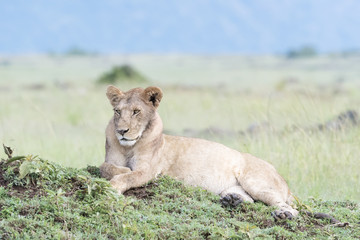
137, 151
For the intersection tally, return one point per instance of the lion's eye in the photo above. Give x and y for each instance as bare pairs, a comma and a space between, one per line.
117, 111
136, 111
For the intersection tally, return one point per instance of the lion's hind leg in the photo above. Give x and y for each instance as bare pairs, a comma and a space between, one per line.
263, 183
233, 196
274, 198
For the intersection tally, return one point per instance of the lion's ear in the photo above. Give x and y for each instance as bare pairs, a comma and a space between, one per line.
153, 96
114, 95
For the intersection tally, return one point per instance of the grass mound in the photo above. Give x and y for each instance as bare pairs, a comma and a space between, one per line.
40, 199
123, 73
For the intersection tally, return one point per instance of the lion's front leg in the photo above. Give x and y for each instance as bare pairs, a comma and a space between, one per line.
109, 170
133, 179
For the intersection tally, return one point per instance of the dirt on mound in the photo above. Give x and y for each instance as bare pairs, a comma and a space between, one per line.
141, 192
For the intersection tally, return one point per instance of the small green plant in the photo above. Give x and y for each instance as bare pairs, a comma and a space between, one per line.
123, 73
32, 170
301, 206
96, 186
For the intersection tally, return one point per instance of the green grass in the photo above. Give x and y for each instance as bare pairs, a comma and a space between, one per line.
43, 200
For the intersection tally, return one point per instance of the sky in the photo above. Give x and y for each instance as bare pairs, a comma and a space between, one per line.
178, 26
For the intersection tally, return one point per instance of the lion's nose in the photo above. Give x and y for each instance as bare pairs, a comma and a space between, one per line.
122, 131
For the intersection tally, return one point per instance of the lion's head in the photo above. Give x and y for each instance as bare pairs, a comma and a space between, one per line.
133, 111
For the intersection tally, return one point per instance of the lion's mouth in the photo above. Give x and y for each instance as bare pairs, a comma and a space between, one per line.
129, 140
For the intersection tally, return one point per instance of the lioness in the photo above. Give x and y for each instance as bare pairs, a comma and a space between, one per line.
137, 151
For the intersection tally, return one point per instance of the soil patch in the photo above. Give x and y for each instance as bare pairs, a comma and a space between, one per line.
143, 192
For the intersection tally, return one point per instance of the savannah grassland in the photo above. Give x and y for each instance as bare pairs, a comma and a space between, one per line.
269, 106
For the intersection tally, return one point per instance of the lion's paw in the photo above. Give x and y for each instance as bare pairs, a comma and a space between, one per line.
231, 199
281, 215
117, 183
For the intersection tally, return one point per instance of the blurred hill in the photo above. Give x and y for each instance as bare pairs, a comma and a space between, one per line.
161, 26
